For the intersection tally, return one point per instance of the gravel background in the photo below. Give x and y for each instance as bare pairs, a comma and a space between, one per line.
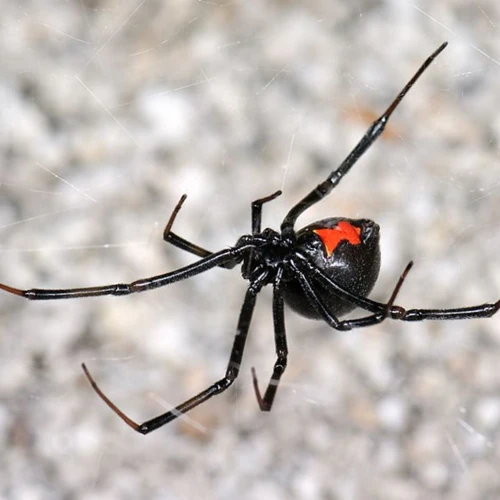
110, 110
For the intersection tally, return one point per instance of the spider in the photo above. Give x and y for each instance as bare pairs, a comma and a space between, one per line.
322, 271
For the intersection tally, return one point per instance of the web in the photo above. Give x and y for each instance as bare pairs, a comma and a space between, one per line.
110, 110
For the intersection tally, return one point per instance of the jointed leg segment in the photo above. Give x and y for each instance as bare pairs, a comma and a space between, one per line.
221, 385
266, 402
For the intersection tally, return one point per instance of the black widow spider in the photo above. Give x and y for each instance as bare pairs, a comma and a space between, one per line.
323, 271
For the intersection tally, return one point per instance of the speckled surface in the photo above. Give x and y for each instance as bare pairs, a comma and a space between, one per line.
110, 111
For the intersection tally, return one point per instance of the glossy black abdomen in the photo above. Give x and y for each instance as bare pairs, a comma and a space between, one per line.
348, 251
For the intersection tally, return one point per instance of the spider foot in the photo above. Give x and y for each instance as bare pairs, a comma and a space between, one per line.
13, 290
258, 395
171, 220
127, 420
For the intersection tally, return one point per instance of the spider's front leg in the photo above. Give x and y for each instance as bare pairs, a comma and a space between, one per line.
178, 241
187, 246
221, 385
213, 260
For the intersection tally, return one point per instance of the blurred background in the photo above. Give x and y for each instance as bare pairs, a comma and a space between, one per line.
110, 110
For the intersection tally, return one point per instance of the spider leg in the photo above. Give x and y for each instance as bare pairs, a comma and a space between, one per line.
256, 224
257, 210
470, 312
221, 385
397, 312
400, 313
184, 244
349, 324
178, 241
363, 145
266, 402
187, 246
319, 276
233, 254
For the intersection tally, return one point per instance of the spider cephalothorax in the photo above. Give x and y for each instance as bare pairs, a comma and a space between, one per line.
322, 271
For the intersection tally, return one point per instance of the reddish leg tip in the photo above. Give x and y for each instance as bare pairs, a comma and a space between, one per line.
11, 289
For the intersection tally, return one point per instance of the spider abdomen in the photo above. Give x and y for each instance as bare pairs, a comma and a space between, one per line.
348, 252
